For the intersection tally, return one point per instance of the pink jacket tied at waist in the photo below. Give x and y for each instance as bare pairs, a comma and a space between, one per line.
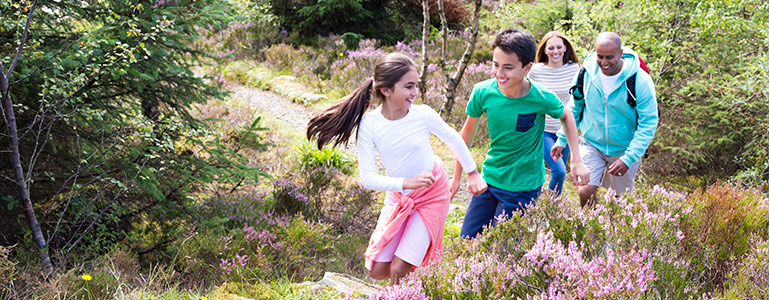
432, 204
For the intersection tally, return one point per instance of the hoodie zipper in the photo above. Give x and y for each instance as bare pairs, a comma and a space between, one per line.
605, 110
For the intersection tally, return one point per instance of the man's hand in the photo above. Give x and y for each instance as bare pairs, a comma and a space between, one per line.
618, 168
423, 179
475, 183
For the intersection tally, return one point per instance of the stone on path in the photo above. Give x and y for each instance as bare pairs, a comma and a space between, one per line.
289, 86
344, 284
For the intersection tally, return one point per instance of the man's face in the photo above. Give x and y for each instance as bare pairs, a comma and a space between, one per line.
609, 58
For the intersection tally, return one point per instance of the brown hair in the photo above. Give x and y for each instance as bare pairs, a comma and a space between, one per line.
569, 55
336, 122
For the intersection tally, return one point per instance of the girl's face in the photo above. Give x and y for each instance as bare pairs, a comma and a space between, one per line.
508, 69
554, 49
403, 93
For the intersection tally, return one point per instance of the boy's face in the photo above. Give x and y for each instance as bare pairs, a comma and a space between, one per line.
507, 69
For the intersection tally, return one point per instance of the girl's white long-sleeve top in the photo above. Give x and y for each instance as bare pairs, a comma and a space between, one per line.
404, 147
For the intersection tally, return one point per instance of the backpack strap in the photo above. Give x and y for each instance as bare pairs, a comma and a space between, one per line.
579, 87
630, 83
631, 100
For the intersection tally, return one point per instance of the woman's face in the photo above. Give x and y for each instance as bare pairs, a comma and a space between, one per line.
555, 49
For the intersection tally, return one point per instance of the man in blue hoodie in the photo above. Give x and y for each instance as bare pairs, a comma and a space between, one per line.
615, 134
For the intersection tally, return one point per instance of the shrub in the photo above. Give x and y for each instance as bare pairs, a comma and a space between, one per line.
198, 259
282, 56
263, 253
719, 229
411, 290
331, 157
750, 279
289, 198
7, 268
252, 26
627, 247
320, 190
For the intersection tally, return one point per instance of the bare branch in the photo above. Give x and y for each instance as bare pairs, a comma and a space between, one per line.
470, 46
22, 41
4, 92
7, 178
452, 82
445, 35
425, 37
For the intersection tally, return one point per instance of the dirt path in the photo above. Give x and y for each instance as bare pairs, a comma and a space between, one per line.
297, 116
281, 108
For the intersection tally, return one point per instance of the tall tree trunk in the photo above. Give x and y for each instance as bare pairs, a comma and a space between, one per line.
13, 134
425, 37
452, 82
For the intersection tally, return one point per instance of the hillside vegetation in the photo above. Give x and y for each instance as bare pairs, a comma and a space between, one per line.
151, 182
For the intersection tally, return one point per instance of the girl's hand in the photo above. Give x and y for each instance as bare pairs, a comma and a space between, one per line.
556, 152
454, 187
475, 183
423, 179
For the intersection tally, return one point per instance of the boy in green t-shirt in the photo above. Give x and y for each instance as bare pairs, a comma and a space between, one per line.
515, 108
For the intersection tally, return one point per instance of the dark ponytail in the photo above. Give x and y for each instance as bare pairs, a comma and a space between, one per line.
336, 122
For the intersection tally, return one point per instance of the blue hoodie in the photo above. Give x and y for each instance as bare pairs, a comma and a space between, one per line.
626, 135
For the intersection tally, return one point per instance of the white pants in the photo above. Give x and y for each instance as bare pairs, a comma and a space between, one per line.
598, 164
410, 243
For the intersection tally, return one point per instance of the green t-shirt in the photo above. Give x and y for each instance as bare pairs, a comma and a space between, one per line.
515, 160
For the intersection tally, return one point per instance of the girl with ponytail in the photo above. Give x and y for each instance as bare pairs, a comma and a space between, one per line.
410, 228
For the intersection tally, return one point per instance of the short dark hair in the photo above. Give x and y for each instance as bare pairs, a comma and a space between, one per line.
518, 41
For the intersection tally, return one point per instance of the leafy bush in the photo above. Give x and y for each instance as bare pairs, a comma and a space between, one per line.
751, 278
636, 244
310, 157
278, 251
369, 18
250, 25
719, 229
7, 268
289, 198
321, 189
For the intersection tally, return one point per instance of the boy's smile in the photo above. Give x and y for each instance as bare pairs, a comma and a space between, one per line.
509, 72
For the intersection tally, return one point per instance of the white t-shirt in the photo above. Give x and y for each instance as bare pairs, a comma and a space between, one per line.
608, 82
403, 146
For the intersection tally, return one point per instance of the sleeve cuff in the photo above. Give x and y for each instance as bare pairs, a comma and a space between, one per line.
561, 142
626, 160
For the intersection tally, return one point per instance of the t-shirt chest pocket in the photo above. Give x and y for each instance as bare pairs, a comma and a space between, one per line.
525, 122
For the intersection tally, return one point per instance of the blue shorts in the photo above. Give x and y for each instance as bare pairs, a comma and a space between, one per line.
484, 208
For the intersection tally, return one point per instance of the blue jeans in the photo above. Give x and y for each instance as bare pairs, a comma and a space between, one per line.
484, 208
557, 167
